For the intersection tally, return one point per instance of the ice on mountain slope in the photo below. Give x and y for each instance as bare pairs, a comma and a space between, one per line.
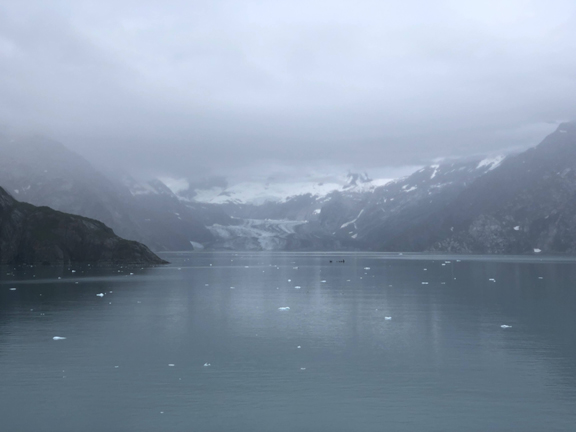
492, 162
258, 193
353, 221
264, 234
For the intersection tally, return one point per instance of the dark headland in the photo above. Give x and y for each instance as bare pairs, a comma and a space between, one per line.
41, 235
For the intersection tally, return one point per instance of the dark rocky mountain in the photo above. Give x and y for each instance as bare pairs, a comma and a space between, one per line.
45, 173
526, 205
40, 235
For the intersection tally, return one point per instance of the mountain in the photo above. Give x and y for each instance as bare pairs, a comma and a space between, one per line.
45, 173
526, 205
519, 203
40, 235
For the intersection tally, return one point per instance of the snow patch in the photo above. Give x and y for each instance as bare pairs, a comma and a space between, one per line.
352, 221
491, 162
196, 245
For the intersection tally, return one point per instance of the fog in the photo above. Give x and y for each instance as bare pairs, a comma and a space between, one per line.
196, 88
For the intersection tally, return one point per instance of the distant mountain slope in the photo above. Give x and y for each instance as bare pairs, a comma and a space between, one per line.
393, 211
45, 173
527, 204
514, 204
40, 235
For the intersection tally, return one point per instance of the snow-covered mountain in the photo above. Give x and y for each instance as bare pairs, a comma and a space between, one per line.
517, 203
259, 193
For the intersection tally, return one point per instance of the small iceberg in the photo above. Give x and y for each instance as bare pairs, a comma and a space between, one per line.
505, 326
297, 287
100, 295
12, 289
323, 281
286, 308
366, 268
517, 228
491, 280
424, 283
536, 250
207, 365
387, 318
58, 338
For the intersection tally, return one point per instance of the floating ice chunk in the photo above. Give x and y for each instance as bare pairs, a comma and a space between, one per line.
289, 280
73, 271
425, 269
505, 326
12, 289
302, 368
366, 268
424, 283
171, 365
517, 228
540, 277
207, 365
536, 250
323, 281
58, 338
284, 308
116, 367
100, 295
231, 287
297, 287
298, 347
387, 318
491, 280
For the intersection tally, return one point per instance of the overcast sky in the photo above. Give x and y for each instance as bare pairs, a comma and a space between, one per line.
190, 88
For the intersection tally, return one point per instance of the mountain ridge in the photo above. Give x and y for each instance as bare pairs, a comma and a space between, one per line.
41, 235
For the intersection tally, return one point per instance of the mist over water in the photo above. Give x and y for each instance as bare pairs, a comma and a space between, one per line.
379, 342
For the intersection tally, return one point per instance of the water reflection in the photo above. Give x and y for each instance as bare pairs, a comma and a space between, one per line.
441, 362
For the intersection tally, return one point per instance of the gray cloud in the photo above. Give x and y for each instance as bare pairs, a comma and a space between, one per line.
207, 87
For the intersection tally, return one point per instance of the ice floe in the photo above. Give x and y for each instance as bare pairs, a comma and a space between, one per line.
58, 338
286, 308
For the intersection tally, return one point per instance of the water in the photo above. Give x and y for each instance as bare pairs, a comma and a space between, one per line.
441, 363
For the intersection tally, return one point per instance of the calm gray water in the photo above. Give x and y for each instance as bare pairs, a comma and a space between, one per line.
441, 363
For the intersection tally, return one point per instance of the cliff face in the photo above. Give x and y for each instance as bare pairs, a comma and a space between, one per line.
40, 235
